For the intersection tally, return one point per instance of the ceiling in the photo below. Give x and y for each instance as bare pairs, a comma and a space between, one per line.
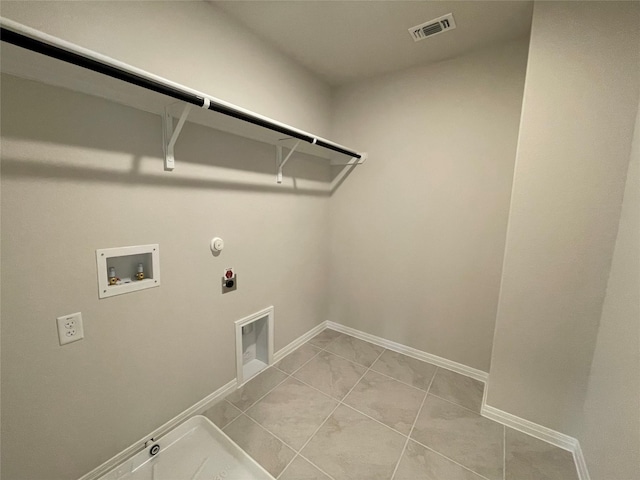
345, 41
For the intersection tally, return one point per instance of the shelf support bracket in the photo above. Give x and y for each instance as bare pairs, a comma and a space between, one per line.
280, 163
352, 161
170, 134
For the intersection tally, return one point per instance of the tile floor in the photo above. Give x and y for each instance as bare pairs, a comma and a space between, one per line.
341, 408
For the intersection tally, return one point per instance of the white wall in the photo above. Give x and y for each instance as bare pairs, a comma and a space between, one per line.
81, 173
580, 102
192, 43
610, 431
418, 232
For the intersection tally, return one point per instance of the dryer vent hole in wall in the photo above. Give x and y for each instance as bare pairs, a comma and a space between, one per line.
248, 343
255, 347
254, 344
432, 27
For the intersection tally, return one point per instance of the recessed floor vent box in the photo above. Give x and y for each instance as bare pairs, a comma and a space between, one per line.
127, 269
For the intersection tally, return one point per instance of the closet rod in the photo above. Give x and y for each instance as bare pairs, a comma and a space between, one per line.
96, 66
30, 39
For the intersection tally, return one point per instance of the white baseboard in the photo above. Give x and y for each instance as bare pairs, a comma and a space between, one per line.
412, 352
283, 352
525, 426
542, 433
195, 409
538, 431
581, 463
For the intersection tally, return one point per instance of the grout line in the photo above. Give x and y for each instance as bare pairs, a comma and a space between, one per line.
317, 390
229, 424
339, 356
304, 364
435, 374
282, 371
271, 433
412, 352
504, 452
276, 437
353, 361
325, 347
287, 465
424, 399
270, 390
408, 437
330, 477
290, 375
318, 429
341, 402
433, 378
332, 411
431, 382
447, 458
431, 449
298, 454
232, 406
463, 407
374, 419
400, 381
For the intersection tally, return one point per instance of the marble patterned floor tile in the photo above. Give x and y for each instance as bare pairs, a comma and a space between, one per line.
458, 389
387, 400
356, 350
324, 338
293, 412
528, 458
256, 388
297, 358
463, 436
300, 469
331, 374
263, 447
406, 369
419, 463
351, 446
222, 413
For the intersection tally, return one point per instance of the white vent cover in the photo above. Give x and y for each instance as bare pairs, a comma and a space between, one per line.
432, 27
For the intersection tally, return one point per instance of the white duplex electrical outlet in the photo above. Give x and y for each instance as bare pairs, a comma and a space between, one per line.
70, 328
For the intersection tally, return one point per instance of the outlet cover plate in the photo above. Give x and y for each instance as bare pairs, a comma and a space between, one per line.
70, 328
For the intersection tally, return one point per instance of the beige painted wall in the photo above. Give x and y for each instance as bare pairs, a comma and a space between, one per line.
80, 173
418, 232
580, 103
610, 433
192, 43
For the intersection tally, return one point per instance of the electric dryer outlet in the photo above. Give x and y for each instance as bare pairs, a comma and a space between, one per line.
229, 280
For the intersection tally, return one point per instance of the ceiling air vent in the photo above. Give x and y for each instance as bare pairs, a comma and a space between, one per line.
432, 27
